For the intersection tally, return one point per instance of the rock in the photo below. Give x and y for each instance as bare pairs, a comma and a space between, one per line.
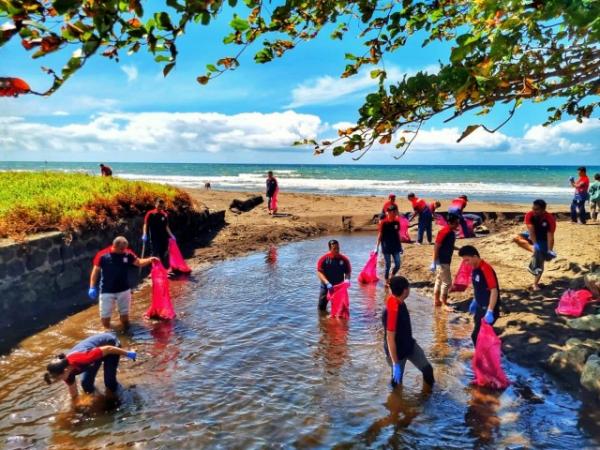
36, 259
590, 377
574, 356
246, 205
590, 322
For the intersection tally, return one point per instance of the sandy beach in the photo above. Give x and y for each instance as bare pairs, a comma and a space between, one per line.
530, 329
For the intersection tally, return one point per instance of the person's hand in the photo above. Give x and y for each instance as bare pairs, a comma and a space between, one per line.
473, 307
131, 355
376, 250
329, 287
489, 316
397, 373
572, 179
154, 259
537, 247
433, 266
172, 236
144, 238
93, 293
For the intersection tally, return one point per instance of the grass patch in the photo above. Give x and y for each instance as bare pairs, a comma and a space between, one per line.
32, 202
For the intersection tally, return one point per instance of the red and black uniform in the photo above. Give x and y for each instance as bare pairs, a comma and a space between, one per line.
456, 209
272, 187
446, 238
157, 222
581, 195
425, 218
106, 171
484, 279
397, 319
86, 357
335, 268
114, 269
542, 224
390, 235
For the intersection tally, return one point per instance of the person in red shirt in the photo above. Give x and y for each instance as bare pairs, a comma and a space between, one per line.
442, 258
457, 206
389, 238
391, 201
421, 209
156, 227
434, 205
86, 358
105, 171
332, 268
581, 195
538, 239
398, 342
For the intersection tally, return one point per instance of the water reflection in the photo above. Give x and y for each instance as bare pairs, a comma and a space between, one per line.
482, 414
333, 343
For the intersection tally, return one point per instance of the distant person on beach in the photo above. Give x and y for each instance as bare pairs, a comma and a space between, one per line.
457, 206
581, 186
272, 187
105, 171
486, 304
332, 269
442, 258
421, 209
110, 266
538, 239
595, 198
389, 238
86, 358
156, 228
434, 205
390, 201
398, 342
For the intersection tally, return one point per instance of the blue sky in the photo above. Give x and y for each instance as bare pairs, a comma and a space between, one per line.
127, 111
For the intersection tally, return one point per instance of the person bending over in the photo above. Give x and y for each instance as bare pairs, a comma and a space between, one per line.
456, 208
425, 214
332, 268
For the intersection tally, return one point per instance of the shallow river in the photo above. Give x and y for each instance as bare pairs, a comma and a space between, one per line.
249, 363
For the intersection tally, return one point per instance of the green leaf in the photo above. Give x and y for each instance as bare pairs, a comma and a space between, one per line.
63, 6
467, 132
337, 151
263, 56
232, 3
211, 68
163, 21
168, 69
239, 24
162, 58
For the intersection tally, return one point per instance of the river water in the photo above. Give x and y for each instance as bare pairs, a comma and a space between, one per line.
249, 363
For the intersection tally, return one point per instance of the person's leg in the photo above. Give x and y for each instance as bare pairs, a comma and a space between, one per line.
428, 229
594, 207
464, 227
111, 363
396, 263
582, 213
522, 240
160, 249
437, 286
269, 204
419, 360
402, 368
421, 229
323, 298
479, 314
106, 304
387, 257
446, 282
124, 304
89, 377
574, 211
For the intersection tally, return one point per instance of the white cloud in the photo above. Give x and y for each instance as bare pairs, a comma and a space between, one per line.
60, 113
131, 72
161, 132
328, 89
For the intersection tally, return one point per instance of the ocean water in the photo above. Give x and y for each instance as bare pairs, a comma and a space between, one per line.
484, 183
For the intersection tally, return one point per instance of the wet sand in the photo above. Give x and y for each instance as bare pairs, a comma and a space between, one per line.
529, 328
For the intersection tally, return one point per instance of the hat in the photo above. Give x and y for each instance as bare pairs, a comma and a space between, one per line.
464, 196
392, 196
392, 208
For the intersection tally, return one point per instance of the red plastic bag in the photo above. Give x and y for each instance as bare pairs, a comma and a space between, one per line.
469, 227
176, 260
572, 303
463, 278
486, 359
161, 307
440, 221
369, 272
404, 236
340, 302
274, 200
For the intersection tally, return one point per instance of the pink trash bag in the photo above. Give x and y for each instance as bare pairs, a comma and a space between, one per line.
369, 272
572, 303
440, 221
274, 200
176, 260
340, 302
486, 359
462, 278
161, 307
404, 224
469, 227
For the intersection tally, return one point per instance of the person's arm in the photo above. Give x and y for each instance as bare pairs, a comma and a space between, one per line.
391, 342
73, 391
550, 240
170, 232
322, 277
531, 230
143, 262
493, 299
111, 350
94, 276
145, 229
436, 252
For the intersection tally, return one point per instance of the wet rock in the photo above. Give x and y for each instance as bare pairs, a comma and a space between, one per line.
590, 322
590, 377
574, 356
246, 205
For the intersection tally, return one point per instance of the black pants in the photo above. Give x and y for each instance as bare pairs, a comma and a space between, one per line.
578, 204
111, 362
160, 249
323, 299
480, 314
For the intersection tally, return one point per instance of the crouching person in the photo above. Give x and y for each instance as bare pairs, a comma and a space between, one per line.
85, 359
398, 342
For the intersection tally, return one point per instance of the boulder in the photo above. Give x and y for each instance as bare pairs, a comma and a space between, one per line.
574, 355
591, 322
590, 377
247, 204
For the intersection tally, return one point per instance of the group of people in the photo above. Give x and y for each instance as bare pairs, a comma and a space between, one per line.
110, 284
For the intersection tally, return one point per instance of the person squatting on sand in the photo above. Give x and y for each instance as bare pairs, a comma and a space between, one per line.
442, 258
105, 171
398, 342
486, 304
389, 238
111, 267
85, 358
538, 239
156, 227
425, 214
581, 195
271, 190
332, 269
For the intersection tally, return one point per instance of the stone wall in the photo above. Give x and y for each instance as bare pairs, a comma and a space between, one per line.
46, 276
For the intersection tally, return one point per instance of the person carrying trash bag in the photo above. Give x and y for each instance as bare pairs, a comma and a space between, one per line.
332, 269
486, 304
156, 228
442, 258
398, 342
389, 238
538, 239
85, 358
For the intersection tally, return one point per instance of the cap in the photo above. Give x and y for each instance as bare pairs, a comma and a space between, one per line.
392, 196
464, 196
